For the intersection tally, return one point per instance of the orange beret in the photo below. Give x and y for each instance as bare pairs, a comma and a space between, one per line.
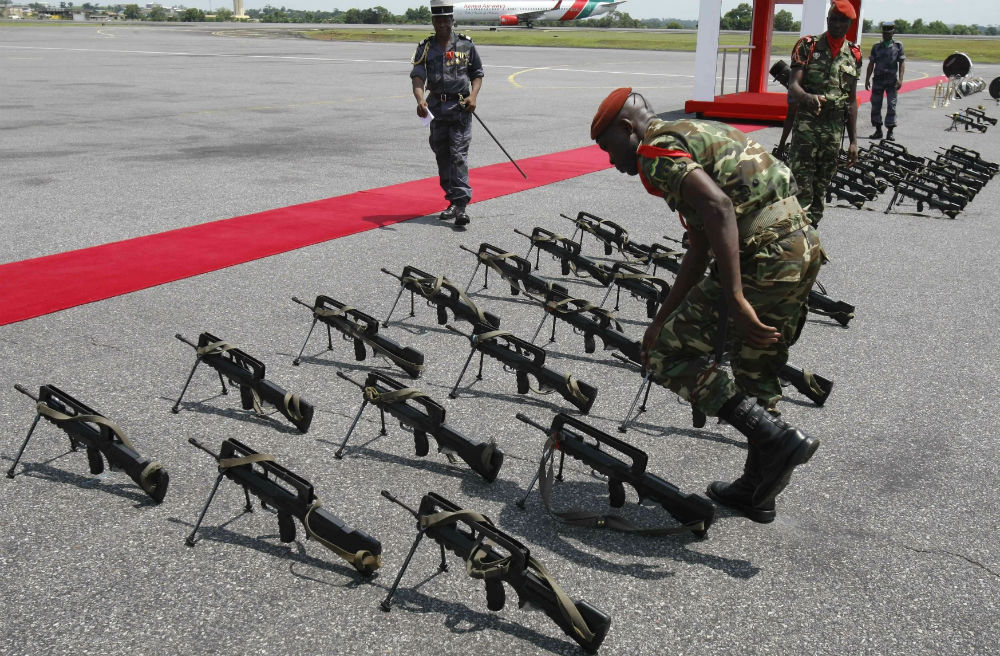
608, 110
845, 7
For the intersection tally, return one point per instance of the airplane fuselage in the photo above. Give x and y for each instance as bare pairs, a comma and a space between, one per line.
527, 11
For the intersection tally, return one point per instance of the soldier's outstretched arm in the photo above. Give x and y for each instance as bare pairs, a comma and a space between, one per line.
719, 217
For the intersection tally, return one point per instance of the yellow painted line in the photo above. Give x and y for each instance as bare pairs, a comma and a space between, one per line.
510, 78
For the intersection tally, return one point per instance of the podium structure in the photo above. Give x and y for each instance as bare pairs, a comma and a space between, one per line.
754, 102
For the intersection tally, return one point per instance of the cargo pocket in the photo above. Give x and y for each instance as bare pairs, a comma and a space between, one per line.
786, 260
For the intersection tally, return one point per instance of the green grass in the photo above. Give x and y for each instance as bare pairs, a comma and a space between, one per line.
981, 51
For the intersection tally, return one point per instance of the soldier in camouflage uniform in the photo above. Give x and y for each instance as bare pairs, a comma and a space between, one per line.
738, 203
888, 62
823, 82
447, 62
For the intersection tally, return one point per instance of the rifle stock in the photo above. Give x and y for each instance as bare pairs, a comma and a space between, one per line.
442, 293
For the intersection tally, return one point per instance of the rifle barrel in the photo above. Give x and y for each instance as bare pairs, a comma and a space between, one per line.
531, 422
296, 299
388, 495
467, 249
457, 331
390, 273
201, 446
183, 339
25, 392
349, 379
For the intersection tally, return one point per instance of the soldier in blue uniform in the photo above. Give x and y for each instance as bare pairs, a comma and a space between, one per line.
888, 61
449, 66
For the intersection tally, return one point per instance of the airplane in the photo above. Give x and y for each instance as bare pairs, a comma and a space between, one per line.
525, 12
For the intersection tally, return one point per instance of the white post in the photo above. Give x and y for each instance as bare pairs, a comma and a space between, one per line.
707, 52
814, 16
861, 22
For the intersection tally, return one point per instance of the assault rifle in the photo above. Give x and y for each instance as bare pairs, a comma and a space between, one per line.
291, 496
813, 386
513, 268
621, 463
863, 173
969, 122
441, 292
590, 321
841, 191
856, 183
247, 373
971, 159
923, 193
969, 178
641, 285
980, 115
609, 233
424, 417
96, 433
362, 329
526, 360
497, 558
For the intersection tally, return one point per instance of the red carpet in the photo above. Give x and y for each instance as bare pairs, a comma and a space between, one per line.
31, 288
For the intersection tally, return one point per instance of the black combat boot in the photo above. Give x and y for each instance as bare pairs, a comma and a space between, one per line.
888, 135
448, 214
461, 218
779, 448
877, 134
738, 495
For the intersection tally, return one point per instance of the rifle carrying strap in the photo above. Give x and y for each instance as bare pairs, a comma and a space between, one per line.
60, 418
374, 395
588, 519
592, 226
229, 463
359, 559
579, 306
568, 380
320, 313
478, 568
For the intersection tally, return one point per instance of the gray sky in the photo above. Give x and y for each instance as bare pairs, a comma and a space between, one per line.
982, 12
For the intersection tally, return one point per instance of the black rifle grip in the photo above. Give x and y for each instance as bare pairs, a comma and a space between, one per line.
442, 313
96, 461
246, 397
565, 267
495, 596
616, 490
651, 307
359, 350
607, 248
589, 345
522, 383
286, 527
420, 444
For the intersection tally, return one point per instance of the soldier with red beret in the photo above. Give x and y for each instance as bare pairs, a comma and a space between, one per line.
823, 84
738, 204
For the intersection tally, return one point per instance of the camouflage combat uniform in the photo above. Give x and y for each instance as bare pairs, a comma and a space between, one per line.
448, 73
886, 74
779, 262
816, 138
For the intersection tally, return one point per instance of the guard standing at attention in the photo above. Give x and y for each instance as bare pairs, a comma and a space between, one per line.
449, 66
888, 62
824, 80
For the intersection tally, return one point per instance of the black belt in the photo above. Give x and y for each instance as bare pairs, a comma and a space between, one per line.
445, 97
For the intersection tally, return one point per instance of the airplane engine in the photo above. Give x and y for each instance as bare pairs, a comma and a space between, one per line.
508, 20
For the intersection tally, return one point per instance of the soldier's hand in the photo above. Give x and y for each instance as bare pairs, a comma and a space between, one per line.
754, 332
868, 85
819, 104
648, 339
852, 154
422, 110
899, 83
469, 103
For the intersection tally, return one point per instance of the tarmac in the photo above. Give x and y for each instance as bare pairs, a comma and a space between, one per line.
885, 542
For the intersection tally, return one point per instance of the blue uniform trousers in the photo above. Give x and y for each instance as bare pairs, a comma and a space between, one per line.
449, 139
890, 112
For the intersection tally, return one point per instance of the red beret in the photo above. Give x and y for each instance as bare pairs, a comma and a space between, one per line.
845, 7
608, 111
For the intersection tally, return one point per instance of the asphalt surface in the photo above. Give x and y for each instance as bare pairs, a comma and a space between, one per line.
885, 543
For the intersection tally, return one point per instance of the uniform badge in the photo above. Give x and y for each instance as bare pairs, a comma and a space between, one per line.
816, 55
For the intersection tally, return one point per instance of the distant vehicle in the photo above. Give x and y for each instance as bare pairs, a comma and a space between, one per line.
526, 12
15, 17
